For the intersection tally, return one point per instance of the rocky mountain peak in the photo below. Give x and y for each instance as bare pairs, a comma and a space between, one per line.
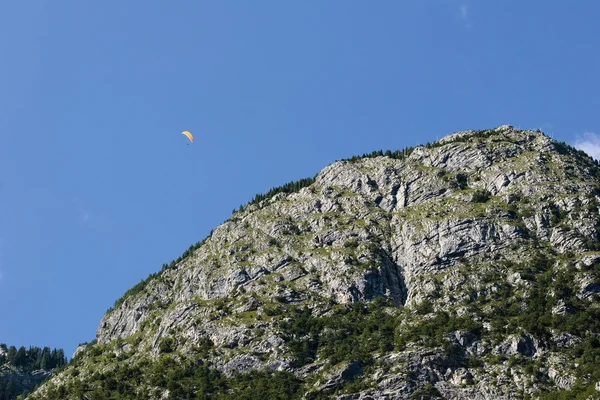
465, 268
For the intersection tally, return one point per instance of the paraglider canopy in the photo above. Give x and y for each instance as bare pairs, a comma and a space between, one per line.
189, 135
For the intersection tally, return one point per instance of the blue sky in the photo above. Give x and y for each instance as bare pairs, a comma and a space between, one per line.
98, 187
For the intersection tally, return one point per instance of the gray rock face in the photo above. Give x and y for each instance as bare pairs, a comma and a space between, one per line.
345, 372
21, 380
404, 228
515, 345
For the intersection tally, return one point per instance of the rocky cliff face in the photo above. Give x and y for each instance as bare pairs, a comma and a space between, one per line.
465, 269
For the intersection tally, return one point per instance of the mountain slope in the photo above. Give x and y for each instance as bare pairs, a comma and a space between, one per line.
467, 268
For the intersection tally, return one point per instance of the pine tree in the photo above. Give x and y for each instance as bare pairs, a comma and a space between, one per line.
60, 358
45, 361
11, 354
21, 357
34, 357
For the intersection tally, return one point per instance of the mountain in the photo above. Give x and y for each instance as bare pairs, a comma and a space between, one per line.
468, 268
22, 370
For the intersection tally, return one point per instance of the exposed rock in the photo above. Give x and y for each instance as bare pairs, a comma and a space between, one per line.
588, 287
564, 339
345, 372
79, 350
561, 380
461, 377
514, 345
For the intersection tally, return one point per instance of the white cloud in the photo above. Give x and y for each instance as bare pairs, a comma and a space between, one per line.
464, 14
590, 143
464, 10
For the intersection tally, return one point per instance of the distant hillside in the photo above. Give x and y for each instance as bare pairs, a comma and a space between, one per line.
22, 370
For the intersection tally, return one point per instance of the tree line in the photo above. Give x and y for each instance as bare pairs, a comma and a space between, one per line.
32, 358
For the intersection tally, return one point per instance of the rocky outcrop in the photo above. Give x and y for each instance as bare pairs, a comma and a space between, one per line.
20, 381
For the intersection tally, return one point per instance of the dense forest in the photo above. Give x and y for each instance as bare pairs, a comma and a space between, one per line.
32, 358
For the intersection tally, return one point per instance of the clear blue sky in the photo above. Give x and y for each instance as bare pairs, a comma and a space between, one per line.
98, 187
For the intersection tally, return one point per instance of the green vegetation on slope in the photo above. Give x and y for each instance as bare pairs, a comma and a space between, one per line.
363, 332
350, 333
290, 187
190, 379
357, 332
396, 154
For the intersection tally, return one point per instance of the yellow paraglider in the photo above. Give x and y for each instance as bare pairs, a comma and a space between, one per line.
189, 135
